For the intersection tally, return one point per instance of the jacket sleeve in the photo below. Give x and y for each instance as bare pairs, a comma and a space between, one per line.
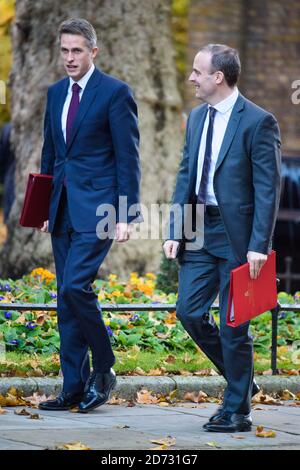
174, 229
266, 176
123, 121
48, 152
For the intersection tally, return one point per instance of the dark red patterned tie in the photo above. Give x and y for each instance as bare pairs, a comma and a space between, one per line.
73, 108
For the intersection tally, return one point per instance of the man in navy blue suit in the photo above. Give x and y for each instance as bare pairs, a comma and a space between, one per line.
91, 141
231, 171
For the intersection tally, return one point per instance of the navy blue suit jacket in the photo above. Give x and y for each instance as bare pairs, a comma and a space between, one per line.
101, 161
246, 179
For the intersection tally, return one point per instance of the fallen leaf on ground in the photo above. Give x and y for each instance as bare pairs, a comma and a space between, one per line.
122, 426
22, 412
144, 397
184, 372
2, 411
186, 358
73, 446
287, 395
11, 400
35, 399
261, 433
116, 401
195, 397
163, 447
205, 372
170, 359
167, 441
213, 444
139, 371
159, 371
34, 416
289, 372
130, 404
236, 436
260, 397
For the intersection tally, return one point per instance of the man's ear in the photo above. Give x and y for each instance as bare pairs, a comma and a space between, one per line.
94, 52
219, 77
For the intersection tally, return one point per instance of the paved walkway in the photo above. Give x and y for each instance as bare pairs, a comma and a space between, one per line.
121, 427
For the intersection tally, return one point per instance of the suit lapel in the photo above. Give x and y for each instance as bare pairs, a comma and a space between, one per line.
196, 133
231, 129
85, 102
59, 109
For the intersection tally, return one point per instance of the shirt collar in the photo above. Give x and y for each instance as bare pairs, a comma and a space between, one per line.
83, 81
226, 105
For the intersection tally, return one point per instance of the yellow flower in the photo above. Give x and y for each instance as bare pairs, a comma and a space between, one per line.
107, 322
44, 274
151, 276
146, 289
101, 295
112, 277
116, 293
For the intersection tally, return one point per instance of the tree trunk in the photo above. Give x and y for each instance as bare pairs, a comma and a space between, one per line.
135, 46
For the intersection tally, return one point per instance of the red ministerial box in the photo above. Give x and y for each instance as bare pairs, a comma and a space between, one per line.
251, 297
36, 201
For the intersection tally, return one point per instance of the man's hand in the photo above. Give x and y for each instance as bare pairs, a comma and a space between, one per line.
123, 232
170, 248
44, 227
256, 262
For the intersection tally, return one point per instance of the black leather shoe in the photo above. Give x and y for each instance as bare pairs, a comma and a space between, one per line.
64, 401
220, 410
230, 422
97, 390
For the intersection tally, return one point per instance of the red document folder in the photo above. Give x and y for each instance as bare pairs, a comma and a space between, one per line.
251, 297
37, 200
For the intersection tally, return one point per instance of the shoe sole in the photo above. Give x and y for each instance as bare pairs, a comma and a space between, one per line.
101, 403
65, 408
217, 429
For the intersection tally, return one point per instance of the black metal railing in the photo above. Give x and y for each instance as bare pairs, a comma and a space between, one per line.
165, 307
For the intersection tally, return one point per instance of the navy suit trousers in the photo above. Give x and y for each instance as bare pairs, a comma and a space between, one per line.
78, 257
203, 274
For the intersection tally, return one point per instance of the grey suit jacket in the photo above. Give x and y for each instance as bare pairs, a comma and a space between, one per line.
246, 179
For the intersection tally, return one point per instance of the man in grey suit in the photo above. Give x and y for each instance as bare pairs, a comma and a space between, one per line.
231, 168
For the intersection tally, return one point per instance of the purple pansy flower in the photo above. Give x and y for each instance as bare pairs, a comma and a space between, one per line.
31, 325
109, 331
14, 342
7, 315
134, 317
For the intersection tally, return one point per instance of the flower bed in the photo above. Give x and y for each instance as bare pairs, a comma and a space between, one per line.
36, 332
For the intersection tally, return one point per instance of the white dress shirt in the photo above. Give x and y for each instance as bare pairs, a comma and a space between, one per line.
224, 109
82, 83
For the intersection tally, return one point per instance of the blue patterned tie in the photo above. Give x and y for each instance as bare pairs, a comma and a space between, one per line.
201, 199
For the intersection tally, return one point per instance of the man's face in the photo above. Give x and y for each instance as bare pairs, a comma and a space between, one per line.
205, 82
76, 55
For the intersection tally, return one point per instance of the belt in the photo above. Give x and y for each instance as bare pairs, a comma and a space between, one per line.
212, 210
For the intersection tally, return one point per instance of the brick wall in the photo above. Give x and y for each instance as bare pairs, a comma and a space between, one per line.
267, 35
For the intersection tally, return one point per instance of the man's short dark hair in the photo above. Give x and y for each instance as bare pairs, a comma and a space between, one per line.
81, 27
226, 59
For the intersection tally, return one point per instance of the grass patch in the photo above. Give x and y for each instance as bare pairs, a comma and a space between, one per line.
133, 361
